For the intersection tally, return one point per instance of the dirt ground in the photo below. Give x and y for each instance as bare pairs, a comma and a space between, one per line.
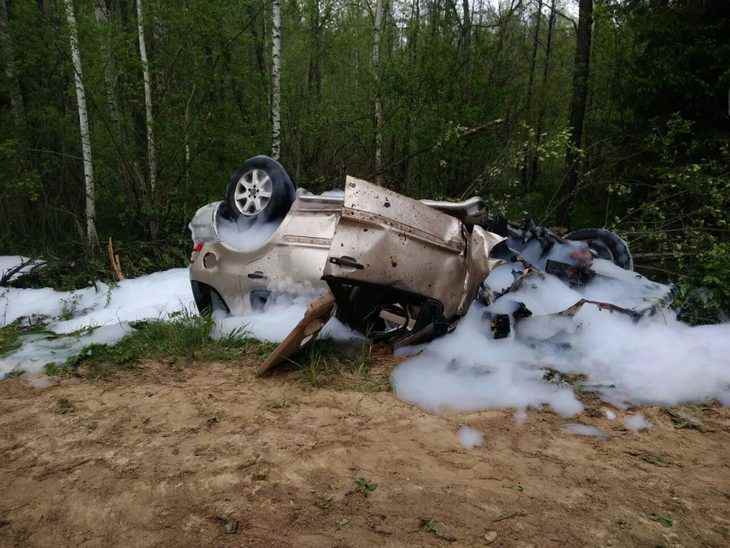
209, 455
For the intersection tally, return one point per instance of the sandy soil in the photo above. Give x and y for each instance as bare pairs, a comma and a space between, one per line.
208, 455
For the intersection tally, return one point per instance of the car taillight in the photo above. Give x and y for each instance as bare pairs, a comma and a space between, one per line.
197, 248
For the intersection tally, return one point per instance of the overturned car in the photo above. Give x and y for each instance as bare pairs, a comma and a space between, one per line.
391, 267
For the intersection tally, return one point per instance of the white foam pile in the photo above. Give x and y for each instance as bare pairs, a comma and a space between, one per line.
40, 349
152, 296
546, 294
282, 312
658, 360
244, 234
101, 314
637, 422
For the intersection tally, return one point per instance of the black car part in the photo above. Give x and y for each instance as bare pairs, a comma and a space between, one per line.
207, 299
386, 314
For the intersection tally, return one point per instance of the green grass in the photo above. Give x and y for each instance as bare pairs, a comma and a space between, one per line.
10, 338
666, 521
184, 336
365, 487
435, 528
326, 362
11, 335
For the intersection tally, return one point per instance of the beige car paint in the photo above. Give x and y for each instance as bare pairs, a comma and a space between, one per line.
401, 242
291, 260
388, 239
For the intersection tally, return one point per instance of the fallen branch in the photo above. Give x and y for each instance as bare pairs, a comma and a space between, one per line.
20, 270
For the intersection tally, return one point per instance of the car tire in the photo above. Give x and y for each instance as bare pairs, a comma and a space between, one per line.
260, 189
606, 244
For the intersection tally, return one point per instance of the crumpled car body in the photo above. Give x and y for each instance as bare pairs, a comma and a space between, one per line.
542, 274
401, 270
395, 265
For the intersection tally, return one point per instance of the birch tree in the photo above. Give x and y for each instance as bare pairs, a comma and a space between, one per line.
379, 119
149, 119
275, 79
91, 236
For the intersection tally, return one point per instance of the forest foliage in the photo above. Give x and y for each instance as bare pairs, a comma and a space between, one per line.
474, 97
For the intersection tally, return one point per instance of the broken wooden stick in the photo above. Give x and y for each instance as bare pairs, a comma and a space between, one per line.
114, 261
317, 314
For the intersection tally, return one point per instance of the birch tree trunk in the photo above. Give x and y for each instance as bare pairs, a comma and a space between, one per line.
16, 98
91, 236
379, 119
151, 155
581, 72
275, 79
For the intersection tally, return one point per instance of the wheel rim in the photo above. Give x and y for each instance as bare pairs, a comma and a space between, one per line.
253, 192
